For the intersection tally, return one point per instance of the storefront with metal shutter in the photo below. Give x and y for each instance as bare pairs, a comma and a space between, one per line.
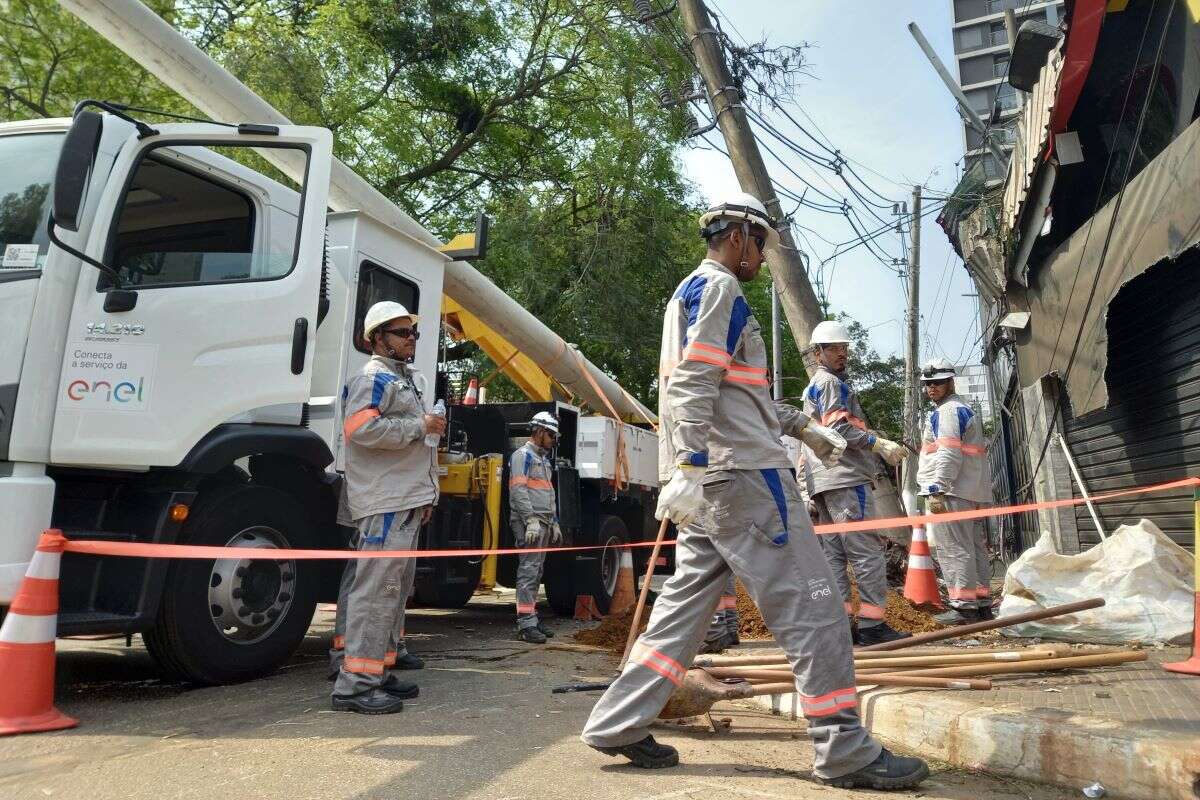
1149, 431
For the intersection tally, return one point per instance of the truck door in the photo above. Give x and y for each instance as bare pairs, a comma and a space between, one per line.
226, 264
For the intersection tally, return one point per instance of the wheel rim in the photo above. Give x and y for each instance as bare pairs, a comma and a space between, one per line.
249, 598
610, 565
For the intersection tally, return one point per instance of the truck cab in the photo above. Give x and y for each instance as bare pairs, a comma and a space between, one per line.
178, 316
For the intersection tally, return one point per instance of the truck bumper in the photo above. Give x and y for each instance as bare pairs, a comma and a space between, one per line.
26, 502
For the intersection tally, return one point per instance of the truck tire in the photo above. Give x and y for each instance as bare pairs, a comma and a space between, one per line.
227, 620
593, 572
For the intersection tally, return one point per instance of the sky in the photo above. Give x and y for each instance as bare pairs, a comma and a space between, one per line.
876, 98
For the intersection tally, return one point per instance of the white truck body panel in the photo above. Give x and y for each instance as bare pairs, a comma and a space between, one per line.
596, 451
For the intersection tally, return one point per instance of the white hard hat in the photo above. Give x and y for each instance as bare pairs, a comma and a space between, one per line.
738, 207
544, 419
938, 369
829, 332
381, 312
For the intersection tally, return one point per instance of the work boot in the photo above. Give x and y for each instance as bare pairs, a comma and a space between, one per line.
877, 634
717, 645
402, 690
986, 613
647, 754
957, 616
541, 626
886, 772
375, 701
531, 635
408, 661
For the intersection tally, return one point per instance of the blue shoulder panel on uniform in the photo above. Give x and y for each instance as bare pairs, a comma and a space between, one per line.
382, 381
933, 423
771, 476
691, 293
737, 323
814, 394
528, 461
860, 492
345, 392
844, 393
964, 417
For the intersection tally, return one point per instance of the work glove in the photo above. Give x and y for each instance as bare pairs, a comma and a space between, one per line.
936, 504
555, 533
533, 532
812, 511
826, 443
891, 452
683, 496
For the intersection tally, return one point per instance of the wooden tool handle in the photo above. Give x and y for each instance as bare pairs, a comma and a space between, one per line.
978, 627
641, 603
1044, 665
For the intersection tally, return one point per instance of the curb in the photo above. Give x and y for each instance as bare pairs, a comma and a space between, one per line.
1045, 745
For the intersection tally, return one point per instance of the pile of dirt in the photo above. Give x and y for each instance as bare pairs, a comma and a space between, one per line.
900, 614
612, 632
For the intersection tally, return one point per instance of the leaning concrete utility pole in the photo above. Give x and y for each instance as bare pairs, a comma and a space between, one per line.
799, 301
912, 366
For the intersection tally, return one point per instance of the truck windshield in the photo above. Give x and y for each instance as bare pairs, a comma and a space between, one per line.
27, 163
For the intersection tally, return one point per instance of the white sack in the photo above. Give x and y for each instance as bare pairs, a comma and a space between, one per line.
1144, 578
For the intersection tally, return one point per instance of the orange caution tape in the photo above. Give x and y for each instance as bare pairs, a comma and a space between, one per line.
148, 550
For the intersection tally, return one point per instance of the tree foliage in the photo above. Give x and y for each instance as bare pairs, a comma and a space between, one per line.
544, 112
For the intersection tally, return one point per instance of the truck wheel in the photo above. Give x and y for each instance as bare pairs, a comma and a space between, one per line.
595, 572
231, 619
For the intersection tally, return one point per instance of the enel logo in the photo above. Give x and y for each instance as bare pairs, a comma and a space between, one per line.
123, 392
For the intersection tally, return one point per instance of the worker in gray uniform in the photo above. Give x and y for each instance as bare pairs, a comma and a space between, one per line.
729, 489
844, 492
953, 475
391, 488
534, 519
723, 629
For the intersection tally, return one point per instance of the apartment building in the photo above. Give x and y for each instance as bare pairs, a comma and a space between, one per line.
981, 50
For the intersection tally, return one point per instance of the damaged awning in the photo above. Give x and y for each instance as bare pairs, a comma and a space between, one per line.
1159, 219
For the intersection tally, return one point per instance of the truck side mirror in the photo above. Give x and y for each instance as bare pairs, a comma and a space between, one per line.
74, 168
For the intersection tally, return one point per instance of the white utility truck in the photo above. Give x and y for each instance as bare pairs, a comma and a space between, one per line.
176, 328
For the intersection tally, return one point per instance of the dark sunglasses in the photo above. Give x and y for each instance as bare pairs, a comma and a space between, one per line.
404, 333
761, 241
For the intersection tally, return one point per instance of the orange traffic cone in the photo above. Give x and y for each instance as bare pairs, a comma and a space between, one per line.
472, 397
586, 609
920, 583
625, 596
27, 646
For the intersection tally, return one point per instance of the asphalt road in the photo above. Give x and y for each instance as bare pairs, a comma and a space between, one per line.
485, 728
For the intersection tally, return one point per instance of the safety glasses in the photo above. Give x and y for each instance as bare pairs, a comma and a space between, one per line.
404, 333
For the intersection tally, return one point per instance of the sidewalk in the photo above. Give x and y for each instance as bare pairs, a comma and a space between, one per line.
1134, 728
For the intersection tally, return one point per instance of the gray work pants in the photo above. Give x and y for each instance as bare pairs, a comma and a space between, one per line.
374, 598
725, 619
963, 556
757, 527
862, 551
529, 576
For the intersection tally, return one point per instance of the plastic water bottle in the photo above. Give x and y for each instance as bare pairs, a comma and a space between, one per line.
439, 410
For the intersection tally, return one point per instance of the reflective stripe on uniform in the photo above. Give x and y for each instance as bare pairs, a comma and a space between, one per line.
364, 666
663, 664
954, 444
826, 704
967, 593
727, 602
842, 414
339, 642
698, 351
526, 608
358, 419
744, 373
